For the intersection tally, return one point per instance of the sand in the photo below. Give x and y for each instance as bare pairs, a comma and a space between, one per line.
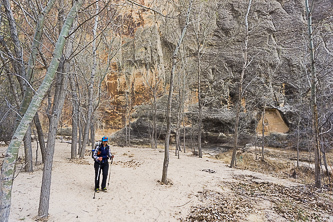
134, 193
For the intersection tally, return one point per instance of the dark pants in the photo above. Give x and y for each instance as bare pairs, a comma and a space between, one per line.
101, 168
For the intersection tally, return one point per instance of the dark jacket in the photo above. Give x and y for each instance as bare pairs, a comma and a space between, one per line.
100, 151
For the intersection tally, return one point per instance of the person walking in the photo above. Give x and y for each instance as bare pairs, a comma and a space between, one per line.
101, 155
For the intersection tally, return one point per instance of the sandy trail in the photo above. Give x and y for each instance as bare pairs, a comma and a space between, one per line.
134, 193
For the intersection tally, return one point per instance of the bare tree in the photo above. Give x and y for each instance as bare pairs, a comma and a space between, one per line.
91, 85
202, 30
240, 84
168, 115
180, 106
8, 167
152, 81
54, 116
314, 82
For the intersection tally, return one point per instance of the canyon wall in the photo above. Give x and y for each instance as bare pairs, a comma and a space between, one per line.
278, 62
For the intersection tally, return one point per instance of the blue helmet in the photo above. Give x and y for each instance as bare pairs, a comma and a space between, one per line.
104, 139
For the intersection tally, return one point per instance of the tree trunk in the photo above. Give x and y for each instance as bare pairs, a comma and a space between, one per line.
200, 105
233, 160
58, 102
88, 134
177, 150
150, 126
323, 151
128, 116
126, 119
92, 134
152, 132
28, 151
192, 147
255, 146
8, 166
91, 86
11, 82
168, 115
184, 135
75, 117
28, 92
80, 133
32, 58
325, 164
263, 134
179, 110
40, 137
314, 107
168, 118
59, 99
298, 138
18, 64
37, 147
154, 118
68, 69
183, 110
240, 85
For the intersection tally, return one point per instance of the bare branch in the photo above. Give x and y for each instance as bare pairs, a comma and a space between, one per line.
11, 108
25, 80
106, 5
327, 131
151, 9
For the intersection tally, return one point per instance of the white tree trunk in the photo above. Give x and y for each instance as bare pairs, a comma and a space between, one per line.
8, 167
28, 93
59, 99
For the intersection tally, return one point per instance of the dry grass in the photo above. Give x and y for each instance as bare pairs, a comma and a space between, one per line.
280, 163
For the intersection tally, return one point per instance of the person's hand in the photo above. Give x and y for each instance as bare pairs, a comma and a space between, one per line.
112, 156
100, 158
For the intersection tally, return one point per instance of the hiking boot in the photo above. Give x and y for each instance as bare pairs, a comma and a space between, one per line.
105, 190
97, 190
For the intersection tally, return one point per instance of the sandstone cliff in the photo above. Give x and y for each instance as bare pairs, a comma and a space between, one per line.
278, 51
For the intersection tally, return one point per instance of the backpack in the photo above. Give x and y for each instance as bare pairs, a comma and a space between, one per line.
97, 144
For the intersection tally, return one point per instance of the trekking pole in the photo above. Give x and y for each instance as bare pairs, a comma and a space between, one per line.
110, 171
99, 170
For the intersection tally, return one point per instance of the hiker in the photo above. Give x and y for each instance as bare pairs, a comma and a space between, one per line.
101, 155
